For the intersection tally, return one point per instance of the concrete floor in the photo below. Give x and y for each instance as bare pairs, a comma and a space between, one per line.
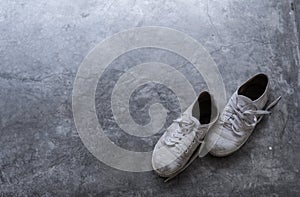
42, 44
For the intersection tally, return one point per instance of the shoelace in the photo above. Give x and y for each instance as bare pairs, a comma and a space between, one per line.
185, 127
247, 119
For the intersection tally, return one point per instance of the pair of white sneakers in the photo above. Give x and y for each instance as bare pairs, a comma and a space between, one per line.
184, 140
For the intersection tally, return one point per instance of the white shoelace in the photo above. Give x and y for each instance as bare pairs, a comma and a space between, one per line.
244, 120
186, 126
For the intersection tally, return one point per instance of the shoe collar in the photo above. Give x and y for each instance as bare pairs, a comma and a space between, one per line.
214, 109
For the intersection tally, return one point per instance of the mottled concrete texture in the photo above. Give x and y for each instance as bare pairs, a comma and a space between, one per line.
42, 44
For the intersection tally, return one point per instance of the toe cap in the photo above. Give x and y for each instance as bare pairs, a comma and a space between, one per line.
222, 142
164, 162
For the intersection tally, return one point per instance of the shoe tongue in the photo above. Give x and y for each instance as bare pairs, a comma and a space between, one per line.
189, 118
244, 103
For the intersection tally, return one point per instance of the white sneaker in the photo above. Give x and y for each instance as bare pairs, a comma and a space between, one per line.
181, 142
242, 113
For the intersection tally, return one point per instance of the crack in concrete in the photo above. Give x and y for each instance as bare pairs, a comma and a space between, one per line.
211, 21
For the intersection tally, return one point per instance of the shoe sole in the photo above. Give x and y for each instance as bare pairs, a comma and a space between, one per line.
179, 170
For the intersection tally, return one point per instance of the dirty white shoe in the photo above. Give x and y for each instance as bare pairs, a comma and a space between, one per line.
181, 142
242, 113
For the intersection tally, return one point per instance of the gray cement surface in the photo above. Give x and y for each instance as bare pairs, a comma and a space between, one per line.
42, 44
